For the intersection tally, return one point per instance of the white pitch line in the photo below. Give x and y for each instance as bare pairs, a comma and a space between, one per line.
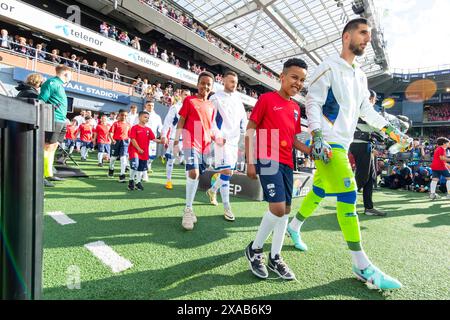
108, 256
61, 218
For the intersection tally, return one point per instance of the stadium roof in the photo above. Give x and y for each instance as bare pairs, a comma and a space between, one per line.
273, 30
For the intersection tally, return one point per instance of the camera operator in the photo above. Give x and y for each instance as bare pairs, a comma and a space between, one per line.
365, 173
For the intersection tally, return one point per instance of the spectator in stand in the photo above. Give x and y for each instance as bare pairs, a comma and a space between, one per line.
53, 57
153, 50
104, 29
138, 86
6, 40
104, 71
188, 65
113, 33
124, 38
177, 63
144, 87
40, 53
95, 69
172, 58
135, 43
72, 63
22, 46
158, 92
164, 56
84, 65
116, 75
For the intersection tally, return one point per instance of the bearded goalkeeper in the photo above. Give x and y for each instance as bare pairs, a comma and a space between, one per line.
338, 95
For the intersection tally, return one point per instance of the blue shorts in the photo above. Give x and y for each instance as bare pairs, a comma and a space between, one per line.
195, 160
69, 143
104, 147
137, 164
86, 144
119, 149
437, 174
277, 181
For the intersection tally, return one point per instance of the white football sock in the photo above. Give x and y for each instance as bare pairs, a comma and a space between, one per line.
138, 176
278, 236
296, 224
225, 193
268, 223
132, 174
71, 150
169, 169
448, 186
217, 184
83, 152
433, 186
191, 189
100, 157
123, 164
360, 259
112, 160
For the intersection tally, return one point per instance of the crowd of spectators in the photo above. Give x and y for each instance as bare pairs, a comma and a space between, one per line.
410, 170
189, 23
437, 113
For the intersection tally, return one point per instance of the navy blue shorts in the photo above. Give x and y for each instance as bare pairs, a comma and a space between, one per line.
195, 160
69, 143
277, 181
137, 164
437, 174
86, 144
104, 147
119, 149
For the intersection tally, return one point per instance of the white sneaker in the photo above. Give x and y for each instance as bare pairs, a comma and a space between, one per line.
448, 196
188, 219
228, 215
145, 176
434, 196
212, 197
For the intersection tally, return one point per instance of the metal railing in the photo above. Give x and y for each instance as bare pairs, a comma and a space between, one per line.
441, 67
34, 57
22, 127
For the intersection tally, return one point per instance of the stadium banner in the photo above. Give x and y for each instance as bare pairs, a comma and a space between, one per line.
22, 13
244, 187
20, 74
434, 99
445, 97
421, 75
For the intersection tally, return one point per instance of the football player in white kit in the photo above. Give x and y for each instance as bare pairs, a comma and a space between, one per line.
168, 135
230, 122
155, 124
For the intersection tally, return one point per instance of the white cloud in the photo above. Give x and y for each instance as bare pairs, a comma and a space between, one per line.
418, 32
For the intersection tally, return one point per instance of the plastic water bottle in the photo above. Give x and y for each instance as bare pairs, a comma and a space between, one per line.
398, 147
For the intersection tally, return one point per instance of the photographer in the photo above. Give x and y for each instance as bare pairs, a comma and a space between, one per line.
365, 172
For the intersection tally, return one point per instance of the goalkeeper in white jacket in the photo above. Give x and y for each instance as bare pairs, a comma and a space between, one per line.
338, 95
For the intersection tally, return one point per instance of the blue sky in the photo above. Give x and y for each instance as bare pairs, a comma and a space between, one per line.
417, 32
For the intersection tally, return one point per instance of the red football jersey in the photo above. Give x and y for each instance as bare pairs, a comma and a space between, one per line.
71, 132
199, 117
85, 132
143, 136
102, 131
277, 122
120, 130
438, 164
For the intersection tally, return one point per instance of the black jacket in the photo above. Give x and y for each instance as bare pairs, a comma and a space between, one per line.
27, 91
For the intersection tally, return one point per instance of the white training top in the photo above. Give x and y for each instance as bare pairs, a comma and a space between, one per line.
231, 118
133, 118
337, 97
171, 120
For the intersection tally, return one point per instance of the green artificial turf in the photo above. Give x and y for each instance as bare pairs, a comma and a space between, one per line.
411, 244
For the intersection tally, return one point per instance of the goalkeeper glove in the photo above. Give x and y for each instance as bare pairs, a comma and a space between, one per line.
399, 137
320, 149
